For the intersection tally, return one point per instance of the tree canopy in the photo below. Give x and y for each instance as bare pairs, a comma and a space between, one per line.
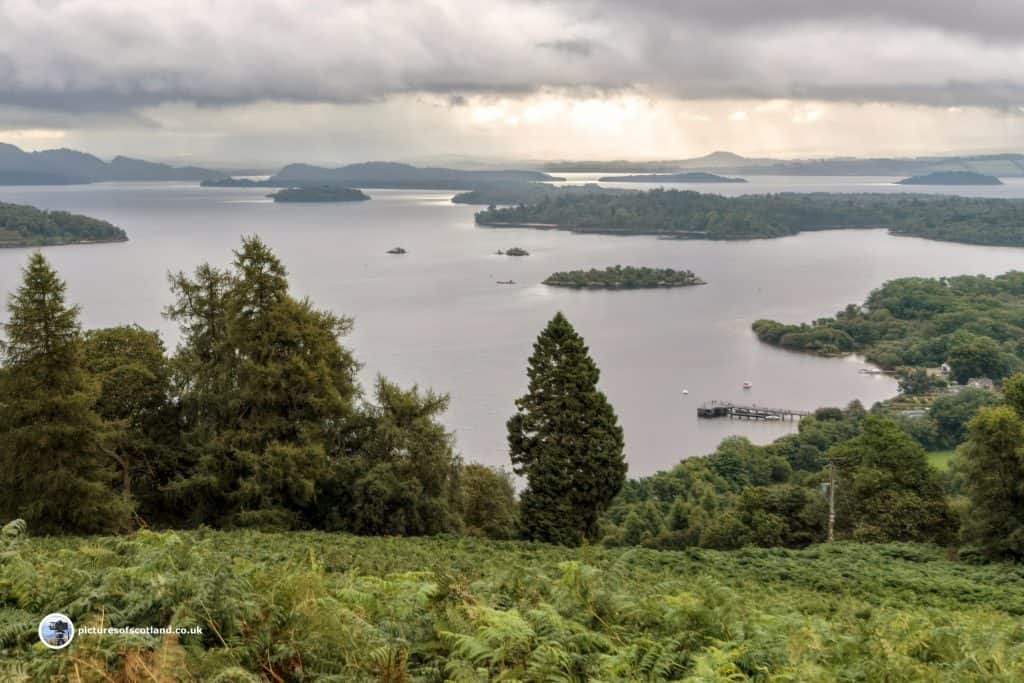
993, 463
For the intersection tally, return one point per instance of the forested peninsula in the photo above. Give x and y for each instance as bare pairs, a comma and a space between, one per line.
693, 215
624, 277
318, 194
975, 324
515, 193
27, 226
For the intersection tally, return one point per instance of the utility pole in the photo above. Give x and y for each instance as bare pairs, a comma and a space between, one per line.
831, 501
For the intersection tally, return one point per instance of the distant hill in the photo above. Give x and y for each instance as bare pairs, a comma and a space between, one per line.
1005, 165
692, 177
378, 174
71, 167
952, 178
723, 160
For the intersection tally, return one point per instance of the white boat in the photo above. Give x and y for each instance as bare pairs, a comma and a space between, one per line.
747, 385
685, 392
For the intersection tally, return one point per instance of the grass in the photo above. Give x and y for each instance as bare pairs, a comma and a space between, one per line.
940, 459
317, 606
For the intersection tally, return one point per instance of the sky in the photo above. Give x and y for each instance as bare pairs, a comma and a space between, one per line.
266, 82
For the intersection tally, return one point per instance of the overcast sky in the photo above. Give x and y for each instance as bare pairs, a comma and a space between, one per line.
272, 81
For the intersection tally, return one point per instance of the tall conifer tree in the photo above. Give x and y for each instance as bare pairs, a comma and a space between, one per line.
57, 470
565, 439
266, 384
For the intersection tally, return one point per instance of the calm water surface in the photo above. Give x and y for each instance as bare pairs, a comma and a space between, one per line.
436, 317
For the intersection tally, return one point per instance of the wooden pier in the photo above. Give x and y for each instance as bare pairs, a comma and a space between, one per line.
748, 412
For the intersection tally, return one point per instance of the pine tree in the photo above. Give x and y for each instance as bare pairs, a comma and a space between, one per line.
566, 440
57, 470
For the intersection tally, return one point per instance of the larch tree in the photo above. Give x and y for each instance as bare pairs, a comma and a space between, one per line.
265, 384
566, 440
57, 468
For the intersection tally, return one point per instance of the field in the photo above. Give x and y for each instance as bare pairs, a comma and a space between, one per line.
940, 459
318, 606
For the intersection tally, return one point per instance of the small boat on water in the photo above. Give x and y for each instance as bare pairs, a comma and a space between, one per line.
686, 392
747, 385
505, 282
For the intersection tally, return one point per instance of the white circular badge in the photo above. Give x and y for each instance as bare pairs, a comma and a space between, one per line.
56, 631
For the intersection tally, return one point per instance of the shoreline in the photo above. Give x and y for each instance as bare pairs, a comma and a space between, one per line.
62, 244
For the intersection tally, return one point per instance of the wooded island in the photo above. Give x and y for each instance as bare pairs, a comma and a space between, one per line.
325, 193
624, 277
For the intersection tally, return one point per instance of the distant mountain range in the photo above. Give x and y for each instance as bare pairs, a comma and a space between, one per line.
381, 174
386, 175
70, 167
1005, 165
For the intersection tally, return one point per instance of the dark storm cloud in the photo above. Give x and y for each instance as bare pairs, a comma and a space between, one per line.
988, 20
102, 56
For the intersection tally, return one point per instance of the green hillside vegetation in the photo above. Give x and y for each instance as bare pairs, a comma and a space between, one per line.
27, 226
770, 496
325, 193
693, 215
973, 323
623, 277
280, 489
333, 607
